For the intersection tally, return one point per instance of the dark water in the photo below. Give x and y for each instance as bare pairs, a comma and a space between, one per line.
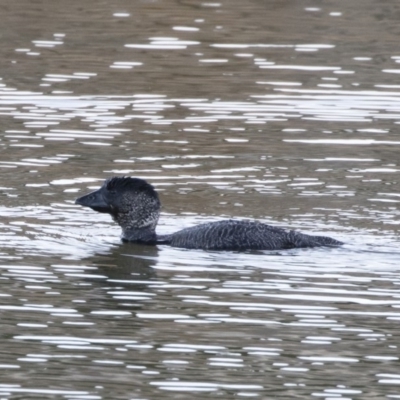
286, 112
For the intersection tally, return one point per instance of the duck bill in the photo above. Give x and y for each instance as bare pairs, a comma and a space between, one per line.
95, 201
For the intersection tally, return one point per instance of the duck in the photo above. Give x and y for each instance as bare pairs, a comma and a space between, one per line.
135, 206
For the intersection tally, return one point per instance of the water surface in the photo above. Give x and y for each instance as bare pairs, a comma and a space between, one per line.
285, 112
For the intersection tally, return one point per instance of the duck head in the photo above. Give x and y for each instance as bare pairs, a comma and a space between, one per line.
132, 202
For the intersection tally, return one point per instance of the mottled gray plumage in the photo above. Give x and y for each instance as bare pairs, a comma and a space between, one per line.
243, 235
135, 206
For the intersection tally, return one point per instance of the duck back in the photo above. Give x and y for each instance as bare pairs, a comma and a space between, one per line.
243, 235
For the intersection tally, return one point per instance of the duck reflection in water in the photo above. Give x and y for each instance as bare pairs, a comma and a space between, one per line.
126, 266
135, 206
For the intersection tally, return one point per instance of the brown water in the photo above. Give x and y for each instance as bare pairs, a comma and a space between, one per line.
287, 112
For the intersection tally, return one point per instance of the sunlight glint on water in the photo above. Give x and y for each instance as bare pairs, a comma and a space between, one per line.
285, 113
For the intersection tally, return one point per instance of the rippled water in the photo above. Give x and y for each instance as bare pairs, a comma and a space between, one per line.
286, 112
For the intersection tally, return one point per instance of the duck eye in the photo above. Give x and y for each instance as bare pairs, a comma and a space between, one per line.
110, 187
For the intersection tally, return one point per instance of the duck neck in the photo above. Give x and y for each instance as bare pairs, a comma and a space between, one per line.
138, 226
145, 235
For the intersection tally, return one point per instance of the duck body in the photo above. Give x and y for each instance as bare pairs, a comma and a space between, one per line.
240, 235
135, 206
